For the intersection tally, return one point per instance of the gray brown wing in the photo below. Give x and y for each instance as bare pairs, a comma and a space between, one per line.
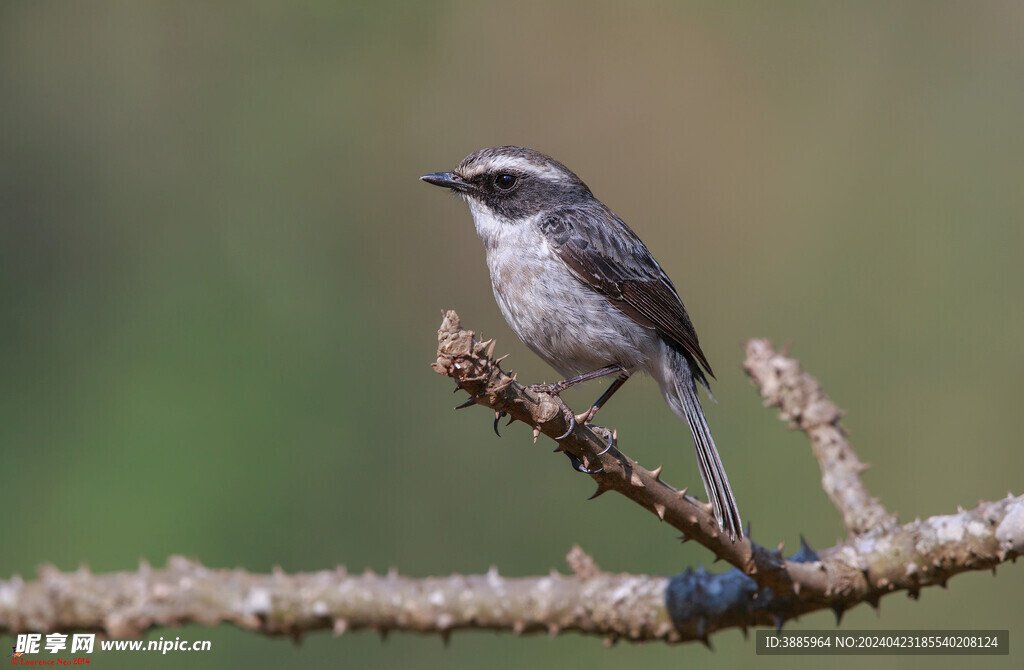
602, 251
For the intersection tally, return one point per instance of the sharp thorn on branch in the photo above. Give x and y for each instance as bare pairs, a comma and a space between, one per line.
469, 403
497, 417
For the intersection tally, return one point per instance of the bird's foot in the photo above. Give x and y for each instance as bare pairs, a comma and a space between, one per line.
572, 424
608, 434
579, 466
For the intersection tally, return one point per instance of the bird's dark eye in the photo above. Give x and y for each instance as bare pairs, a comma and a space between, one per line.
505, 181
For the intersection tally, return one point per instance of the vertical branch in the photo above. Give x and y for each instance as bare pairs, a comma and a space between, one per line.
803, 403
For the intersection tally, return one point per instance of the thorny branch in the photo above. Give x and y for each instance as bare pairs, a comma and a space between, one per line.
616, 606
126, 604
879, 557
471, 365
803, 403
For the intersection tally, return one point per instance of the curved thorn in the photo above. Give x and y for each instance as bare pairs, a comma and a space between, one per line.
497, 417
572, 426
468, 403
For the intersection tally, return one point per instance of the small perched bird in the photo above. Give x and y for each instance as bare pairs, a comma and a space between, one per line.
582, 291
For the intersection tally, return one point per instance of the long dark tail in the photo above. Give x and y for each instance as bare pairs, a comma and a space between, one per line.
679, 386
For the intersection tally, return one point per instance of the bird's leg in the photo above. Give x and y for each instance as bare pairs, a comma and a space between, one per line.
555, 389
589, 415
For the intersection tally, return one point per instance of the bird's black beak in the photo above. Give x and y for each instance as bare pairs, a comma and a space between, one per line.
448, 180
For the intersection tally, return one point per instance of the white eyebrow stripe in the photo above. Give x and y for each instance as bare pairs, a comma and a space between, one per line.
516, 163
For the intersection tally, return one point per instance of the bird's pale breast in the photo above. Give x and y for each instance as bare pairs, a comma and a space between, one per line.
564, 321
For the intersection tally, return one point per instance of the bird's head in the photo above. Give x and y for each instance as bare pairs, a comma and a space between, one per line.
512, 182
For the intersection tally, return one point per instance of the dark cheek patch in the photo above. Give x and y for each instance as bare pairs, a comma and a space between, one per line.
531, 197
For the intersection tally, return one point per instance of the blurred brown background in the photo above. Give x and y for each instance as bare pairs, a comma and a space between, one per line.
220, 282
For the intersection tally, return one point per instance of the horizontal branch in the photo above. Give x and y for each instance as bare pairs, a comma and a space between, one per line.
901, 559
636, 608
126, 604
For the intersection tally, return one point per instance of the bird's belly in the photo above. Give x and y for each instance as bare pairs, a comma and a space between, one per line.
564, 321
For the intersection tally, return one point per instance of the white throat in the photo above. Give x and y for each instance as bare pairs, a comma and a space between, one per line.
494, 228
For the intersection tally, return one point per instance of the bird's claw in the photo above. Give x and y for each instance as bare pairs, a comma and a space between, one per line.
497, 417
578, 466
611, 442
572, 427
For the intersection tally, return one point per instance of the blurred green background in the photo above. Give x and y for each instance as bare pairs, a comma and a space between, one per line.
220, 282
